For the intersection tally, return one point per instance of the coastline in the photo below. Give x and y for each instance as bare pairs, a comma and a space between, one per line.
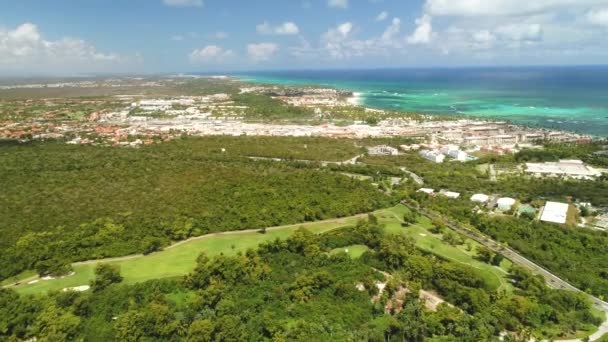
356, 99
359, 98
575, 114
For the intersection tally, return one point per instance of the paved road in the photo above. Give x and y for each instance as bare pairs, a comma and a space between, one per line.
414, 176
552, 280
351, 161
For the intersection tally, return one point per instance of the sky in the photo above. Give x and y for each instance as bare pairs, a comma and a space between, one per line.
75, 37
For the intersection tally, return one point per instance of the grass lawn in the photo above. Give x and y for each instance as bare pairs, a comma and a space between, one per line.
354, 251
180, 260
22, 275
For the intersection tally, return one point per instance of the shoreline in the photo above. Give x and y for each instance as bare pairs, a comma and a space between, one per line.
358, 99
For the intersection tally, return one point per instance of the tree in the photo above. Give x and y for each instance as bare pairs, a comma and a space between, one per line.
105, 275
410, 217
452, 238
151, 245
438, 225
201, 331
484, 254
372, 219
129, 327
528, 215
54, 324
497, 259
53, 267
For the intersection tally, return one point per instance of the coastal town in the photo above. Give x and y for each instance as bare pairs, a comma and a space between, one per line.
397, 154
113, 119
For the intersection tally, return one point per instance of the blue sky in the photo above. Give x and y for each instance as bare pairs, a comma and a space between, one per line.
64, 37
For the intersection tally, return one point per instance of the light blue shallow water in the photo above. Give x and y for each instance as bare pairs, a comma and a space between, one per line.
567, 98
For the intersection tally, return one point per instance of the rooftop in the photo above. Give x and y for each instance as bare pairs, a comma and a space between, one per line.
555, 212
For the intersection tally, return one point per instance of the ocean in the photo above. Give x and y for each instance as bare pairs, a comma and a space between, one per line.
566, 98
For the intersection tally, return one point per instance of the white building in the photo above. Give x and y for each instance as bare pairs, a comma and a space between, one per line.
459, 155
450, 194
480, 198
555, 212
382, 150
505, 203
434, 156
426, 190
566, 168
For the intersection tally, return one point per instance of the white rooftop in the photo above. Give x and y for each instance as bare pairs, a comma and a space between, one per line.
563, 167
426, 190
450, 194
481, 198
555, 212
506, 201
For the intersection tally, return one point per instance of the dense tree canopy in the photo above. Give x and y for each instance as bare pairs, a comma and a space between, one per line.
80, 202
294, 290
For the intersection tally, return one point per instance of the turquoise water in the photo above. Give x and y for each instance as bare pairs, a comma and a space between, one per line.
567, 98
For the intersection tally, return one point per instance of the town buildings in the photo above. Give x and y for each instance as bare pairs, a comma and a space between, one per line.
434, 156
564, 168
382, 150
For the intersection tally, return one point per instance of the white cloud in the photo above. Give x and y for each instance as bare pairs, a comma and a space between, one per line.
210, 54
469, 8
286, 28
338, 4
483, 39
184, 3
262, 51
344, 29
382, 16
392, 31
598, 17
264, 28
339, 43
334, 39
178, 38
424, 31
521, 33
25, 48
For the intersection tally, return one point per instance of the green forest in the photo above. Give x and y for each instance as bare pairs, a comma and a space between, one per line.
294, 290
62, 203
